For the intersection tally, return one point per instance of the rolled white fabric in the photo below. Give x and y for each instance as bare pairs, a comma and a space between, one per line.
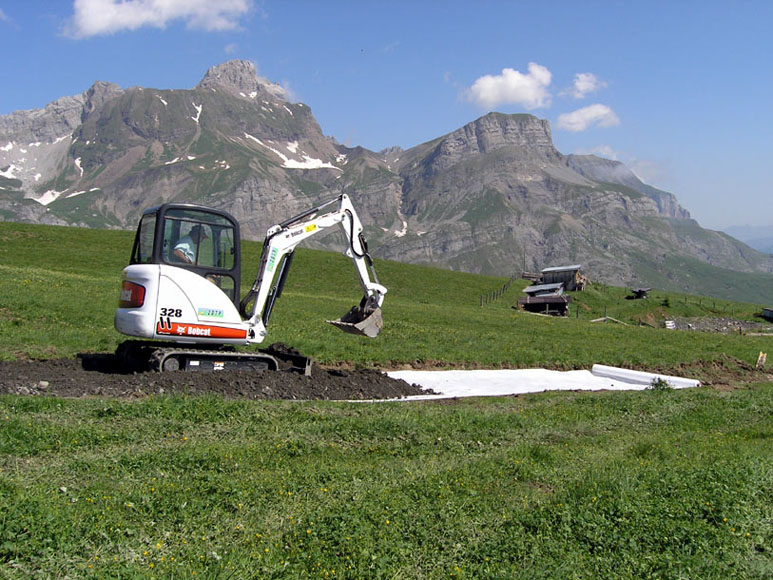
641, 377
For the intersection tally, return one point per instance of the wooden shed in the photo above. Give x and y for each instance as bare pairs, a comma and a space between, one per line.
569, 276
555, 304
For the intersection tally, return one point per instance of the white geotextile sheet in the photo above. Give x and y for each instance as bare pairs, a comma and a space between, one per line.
490, 383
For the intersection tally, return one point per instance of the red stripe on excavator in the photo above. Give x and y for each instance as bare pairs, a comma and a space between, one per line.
198, 330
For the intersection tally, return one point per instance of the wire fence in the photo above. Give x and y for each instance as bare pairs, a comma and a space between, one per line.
492, 297
711, 304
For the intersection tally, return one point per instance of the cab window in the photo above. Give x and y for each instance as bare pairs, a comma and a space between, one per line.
143, 248
197, 238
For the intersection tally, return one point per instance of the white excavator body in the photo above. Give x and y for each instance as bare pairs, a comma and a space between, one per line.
177, 305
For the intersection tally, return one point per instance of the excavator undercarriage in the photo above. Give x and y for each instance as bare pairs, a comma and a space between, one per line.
142, 356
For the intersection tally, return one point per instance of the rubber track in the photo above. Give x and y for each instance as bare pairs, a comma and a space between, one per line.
158, 356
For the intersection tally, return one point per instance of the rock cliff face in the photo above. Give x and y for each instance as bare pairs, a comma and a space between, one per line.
608, 171
491, 197
34, 146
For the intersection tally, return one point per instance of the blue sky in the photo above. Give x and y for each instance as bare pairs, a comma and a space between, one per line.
680, 91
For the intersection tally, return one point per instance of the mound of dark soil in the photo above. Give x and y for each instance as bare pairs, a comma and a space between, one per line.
101, 375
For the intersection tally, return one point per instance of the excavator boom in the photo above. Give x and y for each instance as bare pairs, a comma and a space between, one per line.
278, 247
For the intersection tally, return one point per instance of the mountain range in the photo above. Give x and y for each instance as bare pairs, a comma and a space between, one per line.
494, 197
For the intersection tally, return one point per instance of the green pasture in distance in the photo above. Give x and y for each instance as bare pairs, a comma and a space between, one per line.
59, 290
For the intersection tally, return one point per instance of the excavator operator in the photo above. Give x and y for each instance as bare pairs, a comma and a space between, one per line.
185, 249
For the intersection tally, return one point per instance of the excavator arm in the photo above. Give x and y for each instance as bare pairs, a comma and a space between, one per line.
280, 243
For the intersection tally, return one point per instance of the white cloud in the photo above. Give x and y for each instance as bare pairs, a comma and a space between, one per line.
3, 17
584, 85
592, 115
513, 87
96, 17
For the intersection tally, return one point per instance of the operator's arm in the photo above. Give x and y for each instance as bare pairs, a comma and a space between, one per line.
184, 251
181, 257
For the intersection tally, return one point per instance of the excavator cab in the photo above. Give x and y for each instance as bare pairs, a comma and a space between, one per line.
196, 238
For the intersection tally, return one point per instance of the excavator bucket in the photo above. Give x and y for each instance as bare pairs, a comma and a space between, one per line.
363, 320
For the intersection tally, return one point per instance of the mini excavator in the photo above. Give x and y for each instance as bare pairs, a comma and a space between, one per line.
181, 289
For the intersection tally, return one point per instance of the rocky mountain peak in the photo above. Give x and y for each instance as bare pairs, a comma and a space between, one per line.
610, 171
525, 136
58, 119
497, 130
602, 169
240, 77
99, 93
391, 155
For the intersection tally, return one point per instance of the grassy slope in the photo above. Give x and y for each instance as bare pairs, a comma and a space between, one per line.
59, 288
666, 484
701, 278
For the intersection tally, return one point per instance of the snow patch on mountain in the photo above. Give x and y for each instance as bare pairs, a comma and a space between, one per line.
48, 197
9, 173
198, 112
307, 162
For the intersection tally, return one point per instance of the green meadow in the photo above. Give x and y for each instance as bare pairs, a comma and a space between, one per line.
647, 484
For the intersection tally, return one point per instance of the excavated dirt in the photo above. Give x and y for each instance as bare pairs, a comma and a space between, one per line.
101, 375
722, 325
